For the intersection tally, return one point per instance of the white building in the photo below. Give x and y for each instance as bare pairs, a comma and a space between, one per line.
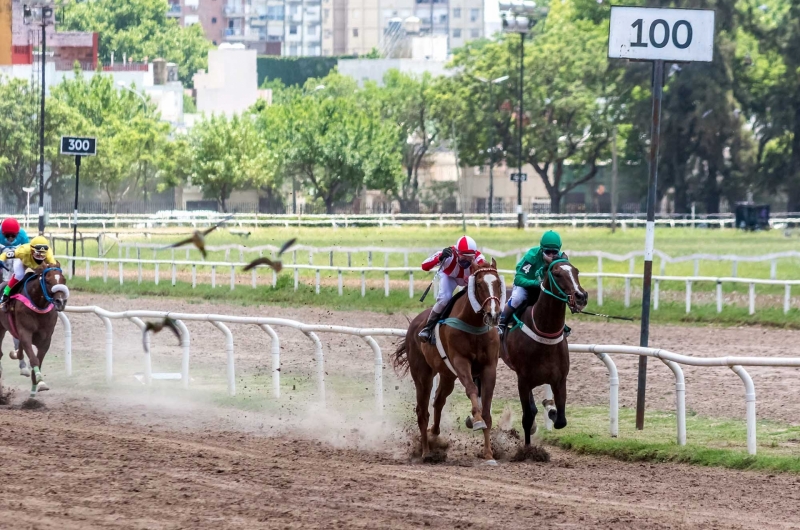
231, 83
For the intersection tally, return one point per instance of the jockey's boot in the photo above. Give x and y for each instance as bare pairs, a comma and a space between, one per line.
4, 299
567, 331
508, 310
425, 333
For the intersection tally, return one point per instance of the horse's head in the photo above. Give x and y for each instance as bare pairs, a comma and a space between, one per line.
562, 282
54, 285
487, 292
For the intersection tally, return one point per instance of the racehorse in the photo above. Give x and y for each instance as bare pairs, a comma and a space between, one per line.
467, 347
31, 318
536, 348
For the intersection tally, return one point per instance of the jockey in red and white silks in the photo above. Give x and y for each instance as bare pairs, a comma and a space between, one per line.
455, 262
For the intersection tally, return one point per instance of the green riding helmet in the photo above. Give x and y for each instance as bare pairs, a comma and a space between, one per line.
550, 240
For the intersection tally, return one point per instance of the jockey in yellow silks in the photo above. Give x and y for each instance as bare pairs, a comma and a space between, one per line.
24, 257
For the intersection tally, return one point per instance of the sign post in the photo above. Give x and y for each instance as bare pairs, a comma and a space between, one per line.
77, 147
657, 35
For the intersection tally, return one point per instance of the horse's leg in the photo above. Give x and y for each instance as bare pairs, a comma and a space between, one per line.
23, 368
529, 409
488, 378
463, 368
560, 398
423, 383
25, 343
446, 385
42, 347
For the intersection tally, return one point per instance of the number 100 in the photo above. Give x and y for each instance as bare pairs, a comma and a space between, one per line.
660, 44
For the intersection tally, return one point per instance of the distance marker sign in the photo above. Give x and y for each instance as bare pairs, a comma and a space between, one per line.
651, 34
73, 145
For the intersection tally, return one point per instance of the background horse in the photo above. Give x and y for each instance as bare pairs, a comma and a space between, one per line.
538, 351
33, 319
471, 345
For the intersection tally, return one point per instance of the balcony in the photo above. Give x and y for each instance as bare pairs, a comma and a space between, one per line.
234, 11
174, 10
233, 32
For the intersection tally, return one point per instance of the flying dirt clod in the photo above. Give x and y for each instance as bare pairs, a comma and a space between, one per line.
198, 238
155, 327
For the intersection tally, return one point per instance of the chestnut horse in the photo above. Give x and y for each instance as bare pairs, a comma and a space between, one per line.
467, 349
32, 315
538, 351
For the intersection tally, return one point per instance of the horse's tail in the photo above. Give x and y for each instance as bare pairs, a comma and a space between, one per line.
400, 358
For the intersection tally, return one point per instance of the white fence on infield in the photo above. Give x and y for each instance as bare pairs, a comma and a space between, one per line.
268, 325
173, 266
188, 218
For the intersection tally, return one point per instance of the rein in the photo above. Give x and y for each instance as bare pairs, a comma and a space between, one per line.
42, 284
551, 280
480, 309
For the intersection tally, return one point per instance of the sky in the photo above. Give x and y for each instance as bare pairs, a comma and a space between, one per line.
491, 10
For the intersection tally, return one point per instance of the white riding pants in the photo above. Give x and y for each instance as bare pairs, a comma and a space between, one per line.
518, 295
19, 269
447, 285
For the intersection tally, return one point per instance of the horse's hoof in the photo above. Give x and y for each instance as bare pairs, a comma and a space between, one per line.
491, 462
468, 422
478, 425
24, 372
42, 386
13, 354
560, 424
552, 414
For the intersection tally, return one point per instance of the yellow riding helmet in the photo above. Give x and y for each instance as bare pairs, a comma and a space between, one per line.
40, 246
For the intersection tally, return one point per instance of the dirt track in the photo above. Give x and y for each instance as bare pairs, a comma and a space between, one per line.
71, 467
107, 459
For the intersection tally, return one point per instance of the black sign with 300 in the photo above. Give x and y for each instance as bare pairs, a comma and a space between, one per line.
73, 145
659, 39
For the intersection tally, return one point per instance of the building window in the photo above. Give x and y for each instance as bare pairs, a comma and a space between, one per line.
474, 14
326, 13
213, 20
355, 32
442, 19
328, 34
475, 33
457, 33
457, 12
292, 30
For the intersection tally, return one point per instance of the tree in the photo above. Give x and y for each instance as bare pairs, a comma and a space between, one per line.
140, 28
408, 102
570, 100
132, 139
332, 142
227, 155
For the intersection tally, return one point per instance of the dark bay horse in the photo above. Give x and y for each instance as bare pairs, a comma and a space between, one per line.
467, 349
537, 349
32, 316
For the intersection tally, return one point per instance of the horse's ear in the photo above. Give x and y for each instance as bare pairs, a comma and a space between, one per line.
58, 264
494, 264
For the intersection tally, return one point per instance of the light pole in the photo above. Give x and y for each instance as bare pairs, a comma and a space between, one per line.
123, 86
519, 17
28, 203
492, 138
40, 15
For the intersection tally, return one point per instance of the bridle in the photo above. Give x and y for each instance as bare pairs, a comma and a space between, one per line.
561, 296
42, 284
491, 297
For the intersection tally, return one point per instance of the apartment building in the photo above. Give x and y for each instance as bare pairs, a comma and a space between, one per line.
332, 27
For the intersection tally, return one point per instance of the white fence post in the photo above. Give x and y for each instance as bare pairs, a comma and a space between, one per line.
627, 292
148, 362
320, 357
340, 283
613, 394
231, 368
174, 274
67, 342
773, 269
386, 283
185, 352
719, 296
688, 296
378, 361
296, 278
750, 404
109, 348
363, 284
194, 276
316, 282
276, 359
411, 284
752, 298
87, 271
680, 399
599, 280
787, 298
233, 277
156, 274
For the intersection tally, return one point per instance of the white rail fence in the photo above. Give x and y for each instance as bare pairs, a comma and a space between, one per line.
372, 253
173, 266
428, 220
268, 325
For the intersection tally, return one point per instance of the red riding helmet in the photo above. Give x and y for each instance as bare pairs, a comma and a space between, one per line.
10, 227
466, 245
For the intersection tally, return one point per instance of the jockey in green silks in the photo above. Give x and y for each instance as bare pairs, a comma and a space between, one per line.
530, 273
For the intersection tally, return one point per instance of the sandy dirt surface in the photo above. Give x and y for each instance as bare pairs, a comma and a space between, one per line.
92, 468
715, 392
105, 457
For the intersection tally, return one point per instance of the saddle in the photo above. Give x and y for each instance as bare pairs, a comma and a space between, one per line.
449, 307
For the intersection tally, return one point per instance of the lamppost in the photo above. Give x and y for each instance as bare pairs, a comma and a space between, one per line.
40, 15
492, 138
519, 17
123, 86
28, 202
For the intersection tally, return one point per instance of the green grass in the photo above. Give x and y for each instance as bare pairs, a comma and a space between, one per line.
710, 442
399, 301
